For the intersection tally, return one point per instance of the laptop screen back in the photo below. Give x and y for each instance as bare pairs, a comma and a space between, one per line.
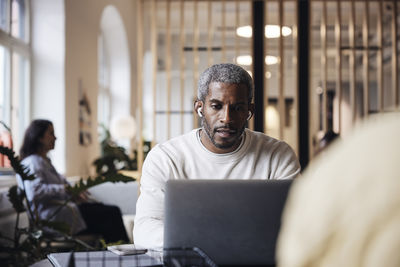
235, 222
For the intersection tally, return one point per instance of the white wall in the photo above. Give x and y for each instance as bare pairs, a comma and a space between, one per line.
65, 52
48, 70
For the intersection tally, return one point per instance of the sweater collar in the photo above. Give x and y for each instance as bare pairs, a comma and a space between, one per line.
224, 155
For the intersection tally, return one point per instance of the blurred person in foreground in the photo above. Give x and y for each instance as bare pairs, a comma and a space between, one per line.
345, 210
325, 141
47, 191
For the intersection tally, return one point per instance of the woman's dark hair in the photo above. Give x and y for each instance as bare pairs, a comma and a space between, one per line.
33, 134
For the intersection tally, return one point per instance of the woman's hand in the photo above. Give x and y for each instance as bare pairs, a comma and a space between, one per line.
82, 197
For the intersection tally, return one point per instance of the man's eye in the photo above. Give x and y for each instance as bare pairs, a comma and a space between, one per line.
216, 106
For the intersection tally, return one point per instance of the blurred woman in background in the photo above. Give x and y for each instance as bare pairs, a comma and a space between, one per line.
47, 192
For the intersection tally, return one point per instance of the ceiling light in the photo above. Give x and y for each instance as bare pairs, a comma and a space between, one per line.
271, 31
244, 31
245, 60
271, 60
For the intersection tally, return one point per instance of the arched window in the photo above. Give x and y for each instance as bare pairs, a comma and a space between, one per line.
14, 67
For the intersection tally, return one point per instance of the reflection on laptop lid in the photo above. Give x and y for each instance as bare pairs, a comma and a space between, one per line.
235, 222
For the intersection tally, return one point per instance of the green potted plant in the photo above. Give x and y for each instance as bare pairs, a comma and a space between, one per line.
114, 158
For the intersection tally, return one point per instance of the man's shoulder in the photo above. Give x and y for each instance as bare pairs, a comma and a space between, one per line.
266, 142
282, 158
172, 152
189, 137
176, 144
262, 137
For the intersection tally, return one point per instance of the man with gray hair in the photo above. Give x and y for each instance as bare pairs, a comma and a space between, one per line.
223, 148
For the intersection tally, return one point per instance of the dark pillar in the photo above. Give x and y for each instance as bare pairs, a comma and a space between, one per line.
303, 69
258, 64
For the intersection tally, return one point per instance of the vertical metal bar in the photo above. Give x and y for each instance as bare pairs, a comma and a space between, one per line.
281, 99
395, 78
182, 61
168, 68
366, 58
153, 26
258, 62
210, 33
324, 69
352, 61
252, 121
223, 17
266, 67
304, 65
296, 77
338, 37
195, 57
139, 79
379, 58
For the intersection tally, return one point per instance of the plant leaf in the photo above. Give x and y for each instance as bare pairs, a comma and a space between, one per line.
56, 225
16, 163
82, 185
16, 197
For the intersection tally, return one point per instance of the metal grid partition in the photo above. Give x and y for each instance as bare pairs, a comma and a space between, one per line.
354, 63
178, 39
353, 69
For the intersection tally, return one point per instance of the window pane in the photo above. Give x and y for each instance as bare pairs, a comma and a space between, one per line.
104, 94
20, 97
4, 85
19, 19
4, 15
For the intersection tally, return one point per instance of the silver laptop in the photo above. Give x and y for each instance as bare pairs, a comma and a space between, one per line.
235, 222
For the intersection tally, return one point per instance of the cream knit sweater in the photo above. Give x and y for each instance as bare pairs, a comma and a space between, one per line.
258, 157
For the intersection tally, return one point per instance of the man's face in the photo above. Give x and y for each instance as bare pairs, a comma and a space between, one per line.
225, 112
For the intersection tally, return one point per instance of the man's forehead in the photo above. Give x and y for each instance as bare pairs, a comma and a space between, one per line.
219, 90
227, 88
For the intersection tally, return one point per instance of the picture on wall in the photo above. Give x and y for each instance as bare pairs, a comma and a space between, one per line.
85, 122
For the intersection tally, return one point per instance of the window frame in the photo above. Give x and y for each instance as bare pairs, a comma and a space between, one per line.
17, 48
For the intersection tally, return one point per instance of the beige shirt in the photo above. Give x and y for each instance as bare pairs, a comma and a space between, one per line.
258, 157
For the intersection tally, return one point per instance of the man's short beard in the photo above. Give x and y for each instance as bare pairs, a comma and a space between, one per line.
210, 133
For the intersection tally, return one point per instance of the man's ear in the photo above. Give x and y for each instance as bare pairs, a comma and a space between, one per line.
198, 107
252, 108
